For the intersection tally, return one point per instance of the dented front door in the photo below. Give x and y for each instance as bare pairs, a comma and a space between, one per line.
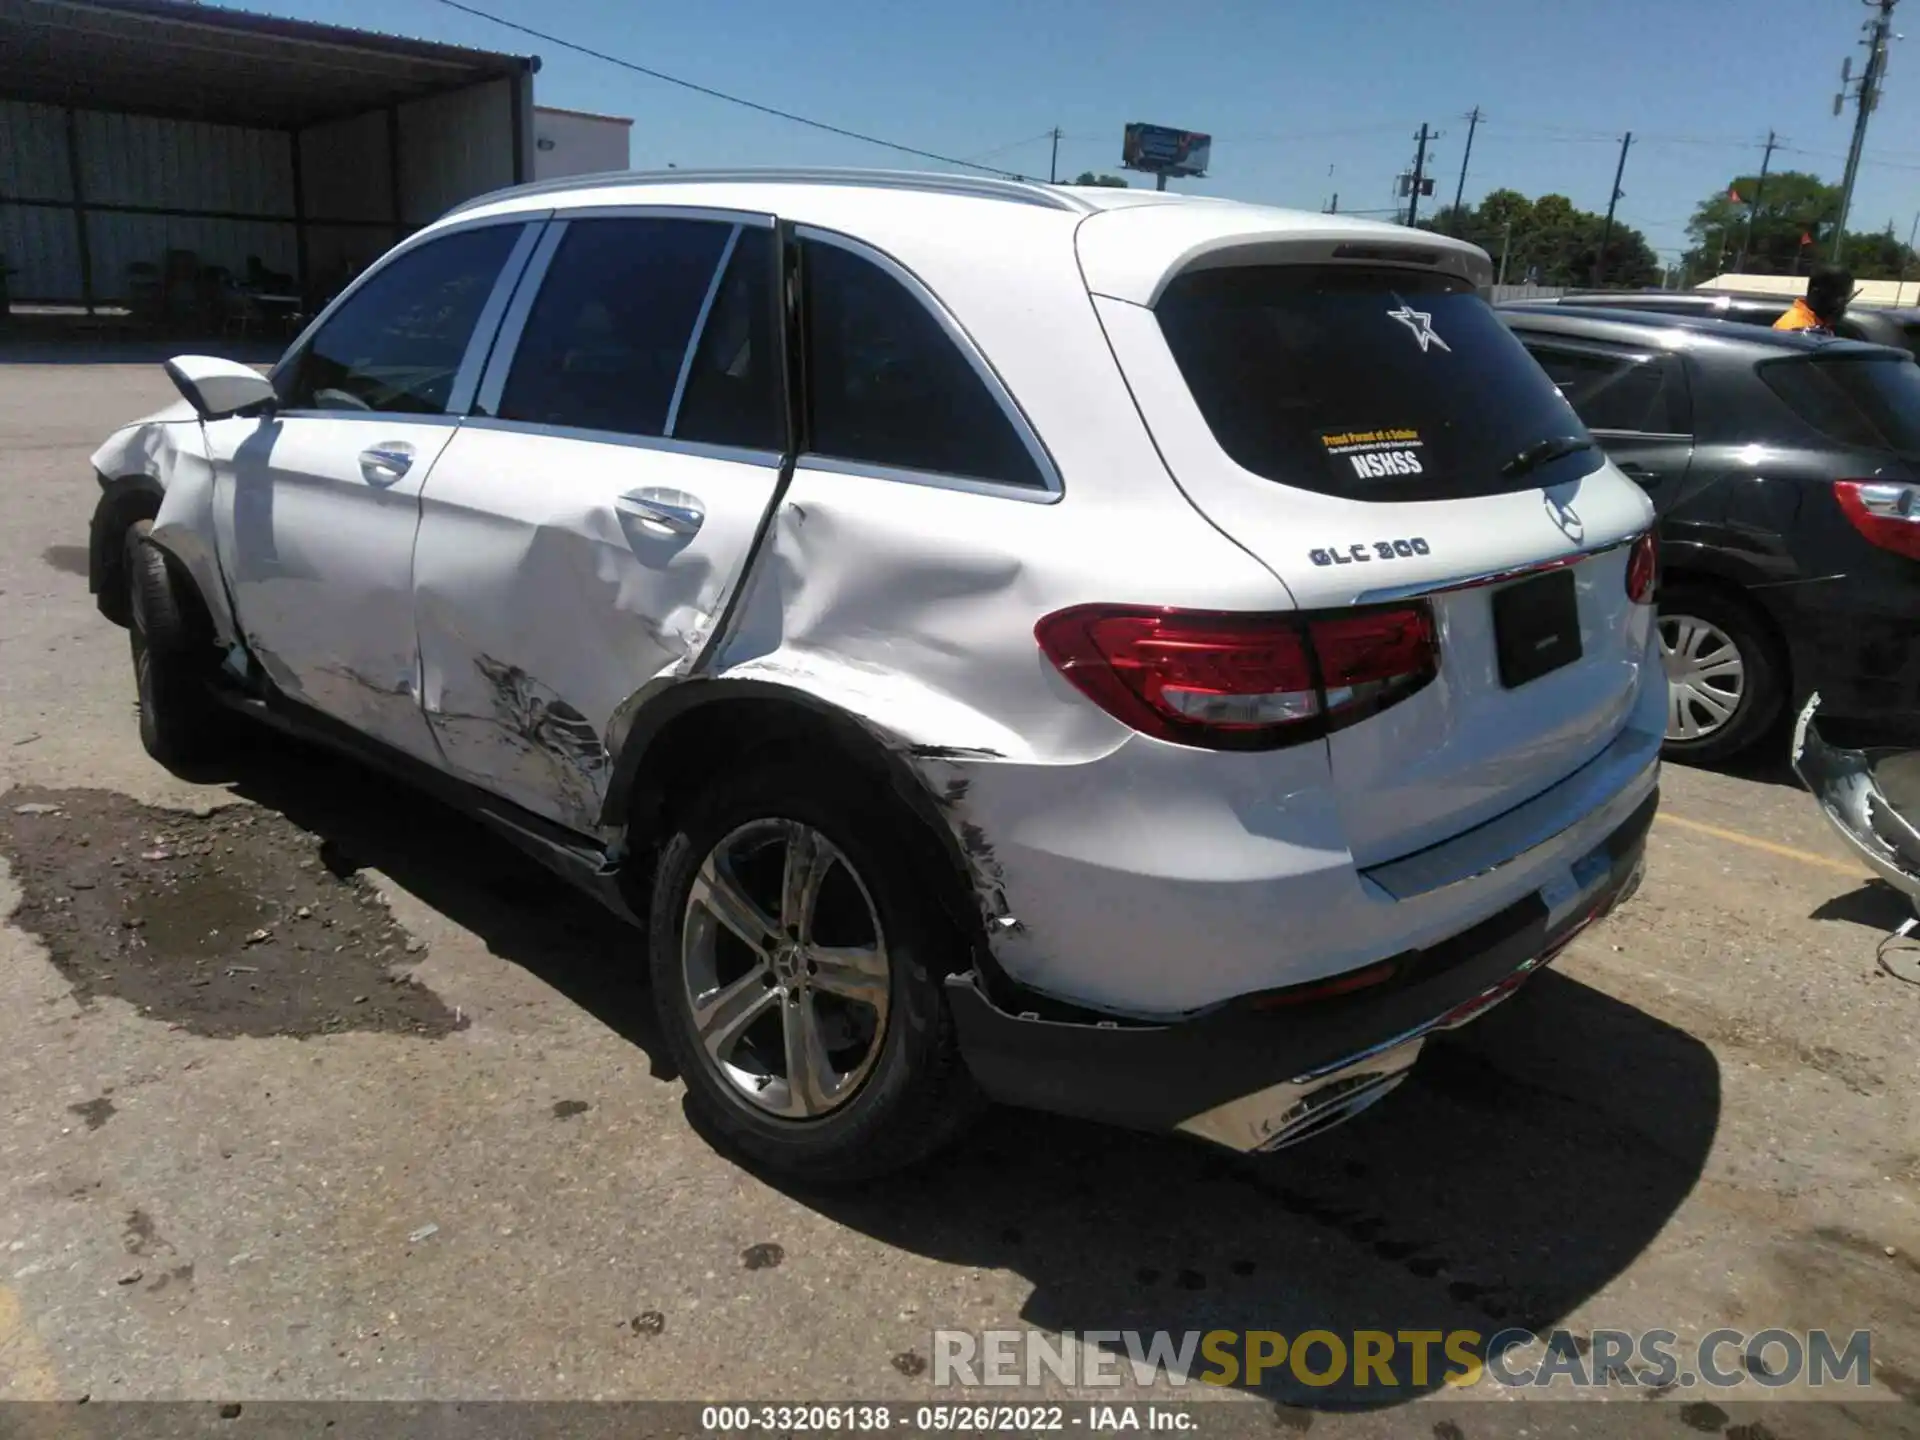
315, 519
316, 506
581, 535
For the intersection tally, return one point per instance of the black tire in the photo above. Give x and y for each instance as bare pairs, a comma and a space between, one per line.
173, 656
917, 1094
1764, 672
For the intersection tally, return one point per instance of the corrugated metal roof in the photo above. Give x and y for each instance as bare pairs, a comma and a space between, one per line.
202, 62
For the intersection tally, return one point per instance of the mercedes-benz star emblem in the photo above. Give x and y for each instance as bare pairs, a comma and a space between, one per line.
1420, 322
1565, 516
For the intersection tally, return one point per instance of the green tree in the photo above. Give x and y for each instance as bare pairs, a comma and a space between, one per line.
1549, 239
1792, 231
1791, 204
1087, 177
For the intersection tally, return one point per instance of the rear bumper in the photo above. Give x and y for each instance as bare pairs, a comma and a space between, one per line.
1852, 639
1255, 1078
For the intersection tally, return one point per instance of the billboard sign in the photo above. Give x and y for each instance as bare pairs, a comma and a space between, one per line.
1162, 150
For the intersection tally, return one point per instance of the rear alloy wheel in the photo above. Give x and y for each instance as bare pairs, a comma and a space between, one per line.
784, 968
1723, 680
799, 961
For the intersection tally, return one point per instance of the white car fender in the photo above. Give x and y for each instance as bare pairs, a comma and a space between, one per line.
168, 450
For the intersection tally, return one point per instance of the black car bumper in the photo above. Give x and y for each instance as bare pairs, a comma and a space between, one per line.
1254, 1075
1855, 640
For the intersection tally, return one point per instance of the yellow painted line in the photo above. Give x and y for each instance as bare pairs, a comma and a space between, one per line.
1754, 842
26, 1371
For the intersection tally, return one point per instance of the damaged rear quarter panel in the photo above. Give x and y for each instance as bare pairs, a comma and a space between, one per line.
911, 608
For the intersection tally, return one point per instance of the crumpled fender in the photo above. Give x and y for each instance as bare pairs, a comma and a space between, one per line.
167, 452
919, 645
1863, 794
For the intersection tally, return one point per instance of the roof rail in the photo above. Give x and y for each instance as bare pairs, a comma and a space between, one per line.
986, 187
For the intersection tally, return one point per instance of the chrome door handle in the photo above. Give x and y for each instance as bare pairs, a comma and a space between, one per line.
673, 511
384, 464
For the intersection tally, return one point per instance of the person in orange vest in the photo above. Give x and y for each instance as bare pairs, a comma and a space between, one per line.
1829, 289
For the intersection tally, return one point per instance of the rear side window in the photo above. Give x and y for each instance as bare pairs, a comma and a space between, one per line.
604, 341
1368, 382
1635, 393
887, 385
396, 344
1871, 403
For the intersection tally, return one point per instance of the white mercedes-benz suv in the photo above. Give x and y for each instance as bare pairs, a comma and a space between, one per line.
1150, 658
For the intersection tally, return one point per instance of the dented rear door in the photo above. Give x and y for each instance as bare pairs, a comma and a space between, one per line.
584, 529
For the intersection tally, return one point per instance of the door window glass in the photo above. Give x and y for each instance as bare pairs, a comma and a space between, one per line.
603, 343
1612, 392
395, 346
732, 396
888, 385
1872, 403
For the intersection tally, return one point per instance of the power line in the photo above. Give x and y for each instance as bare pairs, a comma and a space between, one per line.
1012, 145
708, 90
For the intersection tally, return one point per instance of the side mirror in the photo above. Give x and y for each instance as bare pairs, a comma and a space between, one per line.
219, 388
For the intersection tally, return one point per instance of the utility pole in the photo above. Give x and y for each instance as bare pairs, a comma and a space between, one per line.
1506, 244
1053, 165
1419, 178
1606, 230
1473, 124
1753, 205
1905, 259
1865, 100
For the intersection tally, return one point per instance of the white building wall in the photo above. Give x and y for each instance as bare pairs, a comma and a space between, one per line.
566, 142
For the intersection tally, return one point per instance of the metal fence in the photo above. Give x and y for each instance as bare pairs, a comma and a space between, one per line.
1497, 293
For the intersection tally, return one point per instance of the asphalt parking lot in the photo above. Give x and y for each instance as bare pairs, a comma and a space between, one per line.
364, 1106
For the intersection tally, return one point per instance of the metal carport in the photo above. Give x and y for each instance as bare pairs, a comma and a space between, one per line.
160, 151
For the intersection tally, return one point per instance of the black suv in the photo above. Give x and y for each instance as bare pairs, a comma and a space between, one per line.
1878, 325
1785, 472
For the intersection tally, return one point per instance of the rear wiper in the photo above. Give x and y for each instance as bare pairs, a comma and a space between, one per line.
1541, 451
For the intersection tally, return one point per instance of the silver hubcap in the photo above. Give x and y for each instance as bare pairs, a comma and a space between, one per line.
785, 968
1706, 676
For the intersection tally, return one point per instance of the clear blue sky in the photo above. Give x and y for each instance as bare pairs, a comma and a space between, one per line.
1288, 88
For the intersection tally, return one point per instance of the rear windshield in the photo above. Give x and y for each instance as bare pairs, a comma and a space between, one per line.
1368, 382
1872, 403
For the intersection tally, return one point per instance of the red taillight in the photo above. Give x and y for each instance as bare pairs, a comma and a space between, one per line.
1643, 570
1364, 656
1885, 511
1240, 682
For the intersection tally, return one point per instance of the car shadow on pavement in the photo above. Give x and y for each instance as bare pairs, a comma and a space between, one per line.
1530, 1159
1525, 1165
1875, 904
454, 864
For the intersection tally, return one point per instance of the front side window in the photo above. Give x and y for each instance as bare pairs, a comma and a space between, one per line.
603, 344
886, 384
396, 345
1612, 392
